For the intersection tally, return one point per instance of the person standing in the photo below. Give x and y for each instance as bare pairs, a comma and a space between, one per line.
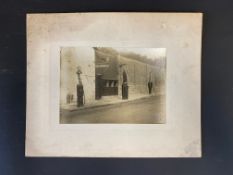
150, 85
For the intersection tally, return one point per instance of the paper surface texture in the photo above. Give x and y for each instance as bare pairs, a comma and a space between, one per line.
55, 41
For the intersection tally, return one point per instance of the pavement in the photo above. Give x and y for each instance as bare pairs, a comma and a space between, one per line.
144, 110
104, 101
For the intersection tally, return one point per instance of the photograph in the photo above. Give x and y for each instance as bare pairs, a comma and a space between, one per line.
95, 80
116, 88
112, 85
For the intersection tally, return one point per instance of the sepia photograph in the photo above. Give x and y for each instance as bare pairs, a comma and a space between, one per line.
95, 80
112, 85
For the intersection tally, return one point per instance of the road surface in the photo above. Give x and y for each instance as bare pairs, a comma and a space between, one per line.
142, 111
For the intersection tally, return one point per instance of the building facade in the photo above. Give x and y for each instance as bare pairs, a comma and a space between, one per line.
73, 59
137, 70
103, 71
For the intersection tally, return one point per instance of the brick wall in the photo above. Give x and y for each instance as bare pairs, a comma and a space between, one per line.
139, 74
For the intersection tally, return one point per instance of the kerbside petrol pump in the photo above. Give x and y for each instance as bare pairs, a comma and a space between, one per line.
80, 90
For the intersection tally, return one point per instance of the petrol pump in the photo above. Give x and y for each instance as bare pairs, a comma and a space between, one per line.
125, 86
80, 90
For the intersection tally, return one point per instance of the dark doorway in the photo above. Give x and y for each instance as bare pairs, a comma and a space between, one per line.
98, 86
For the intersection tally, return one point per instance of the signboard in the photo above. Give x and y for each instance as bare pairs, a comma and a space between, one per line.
102, 66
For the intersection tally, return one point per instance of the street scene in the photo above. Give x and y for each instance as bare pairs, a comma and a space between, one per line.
112, 85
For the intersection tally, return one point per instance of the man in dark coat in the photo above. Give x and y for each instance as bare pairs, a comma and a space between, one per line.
150, 85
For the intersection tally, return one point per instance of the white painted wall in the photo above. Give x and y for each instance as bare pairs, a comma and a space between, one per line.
71, 58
